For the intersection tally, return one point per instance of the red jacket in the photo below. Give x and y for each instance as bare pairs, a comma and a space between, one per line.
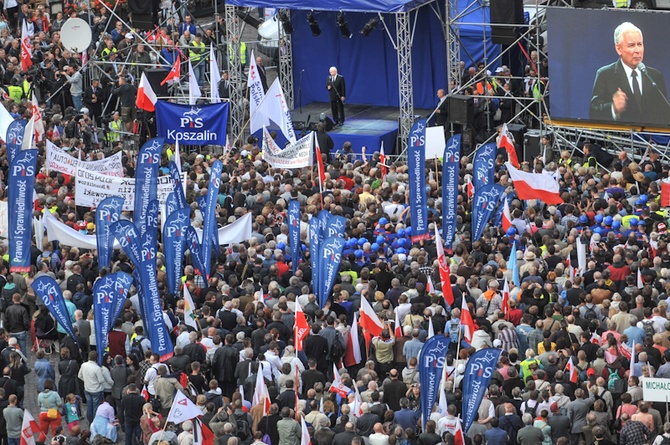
117, 343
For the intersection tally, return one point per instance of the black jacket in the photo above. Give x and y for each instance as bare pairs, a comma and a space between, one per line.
131, 409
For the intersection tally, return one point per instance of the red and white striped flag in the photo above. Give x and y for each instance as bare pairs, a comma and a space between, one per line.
337, 386
506, 216
572, 371
398, 326
382, 161
595, 339
445, 273
470, 188
506, 141
28, 429
369, 319
430, 289
352, 355
304, 437
261, 394
535, 185
640, 281
458, 434
505, 297
625, 350
26, 49
467, 324
431, 328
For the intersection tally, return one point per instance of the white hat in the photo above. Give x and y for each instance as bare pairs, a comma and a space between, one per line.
130, 35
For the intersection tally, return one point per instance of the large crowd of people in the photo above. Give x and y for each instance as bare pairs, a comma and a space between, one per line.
605, 318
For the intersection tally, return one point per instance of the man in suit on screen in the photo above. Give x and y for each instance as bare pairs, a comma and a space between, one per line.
627, 90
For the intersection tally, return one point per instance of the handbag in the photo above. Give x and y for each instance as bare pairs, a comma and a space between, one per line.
52, 413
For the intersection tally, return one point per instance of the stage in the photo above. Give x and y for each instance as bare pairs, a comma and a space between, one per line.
364, 126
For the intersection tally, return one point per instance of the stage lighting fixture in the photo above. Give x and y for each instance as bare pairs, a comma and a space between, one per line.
313, 25
249, 19
369, 26
285, 20
344, 27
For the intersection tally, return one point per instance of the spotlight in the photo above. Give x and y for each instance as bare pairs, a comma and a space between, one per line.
285, 20
249, 19
313, 25
344, 27
369, 26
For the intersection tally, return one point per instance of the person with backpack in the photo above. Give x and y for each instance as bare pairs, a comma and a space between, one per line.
242, 422
663, 439
139, 344
590, 311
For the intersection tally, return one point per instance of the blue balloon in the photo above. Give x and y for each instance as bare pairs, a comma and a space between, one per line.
362, 241
401, 232
608, 220
401, 250
380, 239
616, 224
359, 253
383, 221
598, 218
408, 231
374, 247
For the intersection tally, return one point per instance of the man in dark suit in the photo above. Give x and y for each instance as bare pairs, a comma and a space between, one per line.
626, 90
224, 86
441, 113
337, 93
261, 73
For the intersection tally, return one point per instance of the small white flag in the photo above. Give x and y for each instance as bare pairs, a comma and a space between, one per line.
193, 87
182, 409
214, 77
189, 310
274, 107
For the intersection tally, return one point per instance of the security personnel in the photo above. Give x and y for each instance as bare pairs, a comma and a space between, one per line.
109, 49
15, 91
115, 128
196, 52
589, 159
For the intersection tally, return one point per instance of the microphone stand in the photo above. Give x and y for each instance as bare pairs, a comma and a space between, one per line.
654, 84
300, 91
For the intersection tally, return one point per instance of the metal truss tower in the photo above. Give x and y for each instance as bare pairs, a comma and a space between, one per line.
235, 73
406, 89
286, 63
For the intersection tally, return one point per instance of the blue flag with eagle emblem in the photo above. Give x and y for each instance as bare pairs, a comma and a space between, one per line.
174, 243
294, 233
432, 359
49, 292
329, 264
106, 214
478, 372
416, 160
109, 295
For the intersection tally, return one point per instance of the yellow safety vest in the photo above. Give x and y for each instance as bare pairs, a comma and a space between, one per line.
194, 54
107, 52
15, 93
114, 135
243, 53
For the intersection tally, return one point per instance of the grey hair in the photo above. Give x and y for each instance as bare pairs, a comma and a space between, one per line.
527, 419
623, 28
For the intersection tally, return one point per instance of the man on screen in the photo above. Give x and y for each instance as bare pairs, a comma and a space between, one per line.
626, 90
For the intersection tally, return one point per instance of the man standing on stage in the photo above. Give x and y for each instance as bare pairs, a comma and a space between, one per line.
337, 93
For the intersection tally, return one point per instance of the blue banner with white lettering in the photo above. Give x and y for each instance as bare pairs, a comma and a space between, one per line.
178, 186
329, 264
478, 372
14, 140
450, 169
192, 124
152, 217
416, 160
20, 204
146, 180
174, 244
193, 244
171, 204
158, 331
209, 225
109, 295
49, 292
324, 217
314, 250
294, 233
484, 165
106, 214
336, 226
129, 238
485, 201
432, 359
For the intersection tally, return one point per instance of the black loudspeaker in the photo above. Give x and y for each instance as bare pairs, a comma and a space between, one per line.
462, 110
303, 121
143, 22
155, 77
531, 145
139, 7
505, 12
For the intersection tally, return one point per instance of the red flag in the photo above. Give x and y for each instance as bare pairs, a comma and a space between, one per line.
398, 326
535, 185
458, 434
572, 371
28, 429
301, 328
506, 141
445, 273
319, 163
352, 355
506, 216
382, 161
625, 350
505, 297
202, 435
470, 188
337, 386
175, 72
466, 321
26, 50
369, 319
146, 98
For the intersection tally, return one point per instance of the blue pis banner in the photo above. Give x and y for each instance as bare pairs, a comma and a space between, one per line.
193, 245
152, 218
432, 360
14, 138
209, 215
485, 201
484, 165
450, 170
109, 295
416, 160
478, 372
294, 233
178, 186
146, 180
336, 226
21, 185
174, 244
129, 238
324, 217
314, 251
192, 124
159, 334
329, 265
49, 292
106, 214
171, 204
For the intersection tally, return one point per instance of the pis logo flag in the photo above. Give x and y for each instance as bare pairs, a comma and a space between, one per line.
485, 202
314, 250
209, 215
20, 189
171, 204
146, 180
193, 244
432, 359
174, 243
484, 165
106, 214
450, 171
14, 141
294, 233
104, 296
324, 217
191, 124
478, 373
178, 186
417, 180
329, 264
128, 236
49, 292
336, 226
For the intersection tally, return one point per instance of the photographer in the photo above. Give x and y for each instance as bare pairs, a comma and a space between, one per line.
127, 93
76, 81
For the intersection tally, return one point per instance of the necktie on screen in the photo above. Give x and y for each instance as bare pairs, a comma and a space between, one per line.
636, 88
